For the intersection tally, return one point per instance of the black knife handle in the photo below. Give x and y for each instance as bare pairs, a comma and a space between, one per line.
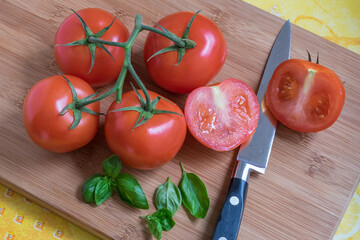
228, 225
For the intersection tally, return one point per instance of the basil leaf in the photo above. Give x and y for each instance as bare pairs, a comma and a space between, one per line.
154, 227
88, 188
104, 189
112, 166
130, 191
168, 196
194, 194
164, 216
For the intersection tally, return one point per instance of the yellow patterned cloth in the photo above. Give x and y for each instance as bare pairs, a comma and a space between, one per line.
20, 219
338, 21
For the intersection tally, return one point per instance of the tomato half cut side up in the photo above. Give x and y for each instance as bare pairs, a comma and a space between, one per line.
305, 96
222, 116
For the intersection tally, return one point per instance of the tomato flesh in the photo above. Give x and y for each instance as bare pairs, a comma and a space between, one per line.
305, 96
150, 145
222, 116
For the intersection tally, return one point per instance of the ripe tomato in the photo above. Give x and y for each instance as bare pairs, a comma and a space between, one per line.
199, 64
305, 96
150, 145
76, 60
41, 113
222, 116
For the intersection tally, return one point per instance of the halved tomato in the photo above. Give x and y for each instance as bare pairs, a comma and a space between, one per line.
222, 116
305, 96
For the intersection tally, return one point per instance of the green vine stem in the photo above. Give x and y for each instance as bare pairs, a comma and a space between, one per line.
178, 41
181, 44
127, 66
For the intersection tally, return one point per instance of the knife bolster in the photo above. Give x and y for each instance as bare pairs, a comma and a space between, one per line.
242, 170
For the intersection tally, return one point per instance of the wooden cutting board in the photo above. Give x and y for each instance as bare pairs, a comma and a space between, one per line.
310, 177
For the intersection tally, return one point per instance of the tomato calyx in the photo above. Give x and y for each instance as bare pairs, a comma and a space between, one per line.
188, 43
88, 40
146, 111
76, 107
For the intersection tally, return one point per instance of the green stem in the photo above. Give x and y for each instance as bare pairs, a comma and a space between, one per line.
178, 41
137, 29
142, 87
119, 91
119, 82
147, 109
182, 167
135, 33
92, 39
127, 66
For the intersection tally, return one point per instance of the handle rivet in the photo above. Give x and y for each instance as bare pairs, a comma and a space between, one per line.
234, 201
223, 238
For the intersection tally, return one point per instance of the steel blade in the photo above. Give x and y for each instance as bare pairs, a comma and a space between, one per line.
255, 154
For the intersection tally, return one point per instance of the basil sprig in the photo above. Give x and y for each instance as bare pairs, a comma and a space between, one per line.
191, 193
168, 196
159, 221
194, 194
99, 187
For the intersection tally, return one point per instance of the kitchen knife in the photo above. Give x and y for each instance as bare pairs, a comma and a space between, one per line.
255, 155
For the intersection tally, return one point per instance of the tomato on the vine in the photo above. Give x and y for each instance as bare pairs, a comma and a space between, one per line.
150, 145
198, 66
76, 60
43, 122
222, 116
305, 96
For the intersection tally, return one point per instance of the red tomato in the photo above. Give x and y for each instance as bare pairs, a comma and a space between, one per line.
222, 116
41, 113
150, 145
76, 60
199, 64
305, 96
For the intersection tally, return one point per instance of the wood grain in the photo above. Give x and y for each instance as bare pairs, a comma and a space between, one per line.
310, 177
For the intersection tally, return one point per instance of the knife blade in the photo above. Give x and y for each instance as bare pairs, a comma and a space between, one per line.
255, 155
